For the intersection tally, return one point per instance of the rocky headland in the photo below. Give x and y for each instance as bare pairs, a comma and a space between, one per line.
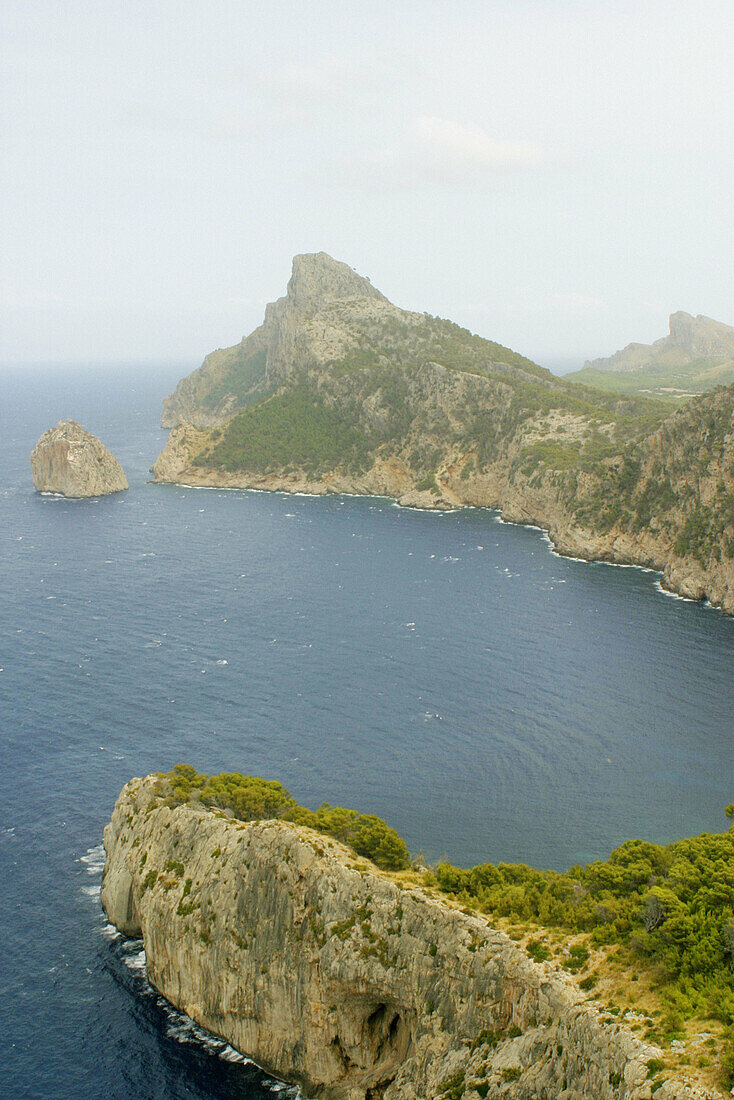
341, 391
73, 463
689, 338
332, 974
696, 356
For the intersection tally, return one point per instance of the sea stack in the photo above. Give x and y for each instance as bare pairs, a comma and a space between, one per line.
72, 462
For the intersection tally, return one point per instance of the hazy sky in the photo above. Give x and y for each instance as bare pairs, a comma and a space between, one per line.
554, 175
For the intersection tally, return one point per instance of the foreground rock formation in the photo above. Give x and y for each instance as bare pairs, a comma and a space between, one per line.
72, 462
341, 391
331, 975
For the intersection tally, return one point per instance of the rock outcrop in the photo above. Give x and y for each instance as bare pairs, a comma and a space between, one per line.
73, 463
330, 974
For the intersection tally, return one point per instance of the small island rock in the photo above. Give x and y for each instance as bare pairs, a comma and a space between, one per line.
72, 462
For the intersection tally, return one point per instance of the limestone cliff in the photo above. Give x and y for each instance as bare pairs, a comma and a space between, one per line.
330, 974
72, 462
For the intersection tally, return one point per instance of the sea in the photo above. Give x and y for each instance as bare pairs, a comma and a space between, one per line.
447, 671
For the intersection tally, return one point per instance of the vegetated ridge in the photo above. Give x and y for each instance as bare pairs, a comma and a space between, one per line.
266, 923
340, 391
697, 355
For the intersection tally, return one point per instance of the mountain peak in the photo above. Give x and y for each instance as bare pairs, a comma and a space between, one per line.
317, 276
700, 336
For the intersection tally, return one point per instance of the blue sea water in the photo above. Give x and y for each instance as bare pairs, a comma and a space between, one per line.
448, 672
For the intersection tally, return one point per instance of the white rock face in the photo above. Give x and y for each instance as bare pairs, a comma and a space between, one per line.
72, 462
329, 974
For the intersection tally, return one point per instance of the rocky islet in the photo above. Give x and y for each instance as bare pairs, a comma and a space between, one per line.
71, 462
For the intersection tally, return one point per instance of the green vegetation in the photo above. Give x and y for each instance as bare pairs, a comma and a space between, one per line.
675, 384
236, 373
294, 429
453, 1088
672, 906
249, 798
669, 485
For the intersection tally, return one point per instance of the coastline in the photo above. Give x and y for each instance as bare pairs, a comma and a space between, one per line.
430, 505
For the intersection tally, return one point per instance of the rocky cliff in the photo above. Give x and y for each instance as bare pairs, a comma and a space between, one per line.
348, 393
72, 462
305, 327
331, 974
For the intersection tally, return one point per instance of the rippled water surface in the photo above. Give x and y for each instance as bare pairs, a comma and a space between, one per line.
490, 699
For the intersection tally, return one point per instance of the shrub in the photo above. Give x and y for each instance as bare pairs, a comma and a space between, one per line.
250, 798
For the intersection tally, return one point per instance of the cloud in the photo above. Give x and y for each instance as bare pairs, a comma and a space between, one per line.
454, 142
440, 151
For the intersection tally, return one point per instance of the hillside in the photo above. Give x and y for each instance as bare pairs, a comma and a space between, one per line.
361, 983
340, 391
696, 356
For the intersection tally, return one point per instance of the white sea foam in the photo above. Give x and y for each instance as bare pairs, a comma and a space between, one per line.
135, 961
184, 1030
673, 595
92, 891
93, 859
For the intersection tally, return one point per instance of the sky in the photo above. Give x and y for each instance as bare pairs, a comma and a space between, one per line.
556, 175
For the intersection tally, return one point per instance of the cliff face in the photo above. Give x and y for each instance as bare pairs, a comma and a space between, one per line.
329, 974
668, 504
70, 461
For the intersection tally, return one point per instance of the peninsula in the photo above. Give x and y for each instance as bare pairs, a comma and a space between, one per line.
73, 463
268, 924
341, 391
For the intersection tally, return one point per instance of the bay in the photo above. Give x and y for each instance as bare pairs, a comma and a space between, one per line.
446, 671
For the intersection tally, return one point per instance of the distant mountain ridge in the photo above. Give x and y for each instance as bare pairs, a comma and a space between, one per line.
339, 390
689, 338
695, 356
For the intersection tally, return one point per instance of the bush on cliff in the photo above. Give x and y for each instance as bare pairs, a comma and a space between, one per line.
673, 905
250, 798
